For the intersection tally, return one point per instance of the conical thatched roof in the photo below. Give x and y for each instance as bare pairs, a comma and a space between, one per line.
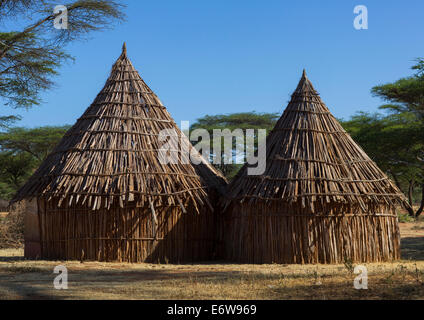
111, 154
314, 164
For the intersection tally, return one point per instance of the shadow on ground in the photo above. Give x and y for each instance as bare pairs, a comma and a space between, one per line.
12, 259
412, 248
198, 284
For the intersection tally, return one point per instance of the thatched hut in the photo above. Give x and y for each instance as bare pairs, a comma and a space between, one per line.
103, 194
320, 200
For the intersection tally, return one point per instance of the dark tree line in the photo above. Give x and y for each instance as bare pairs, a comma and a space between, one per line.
21, 152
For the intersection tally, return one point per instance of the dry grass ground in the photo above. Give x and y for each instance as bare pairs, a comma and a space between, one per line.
20, 279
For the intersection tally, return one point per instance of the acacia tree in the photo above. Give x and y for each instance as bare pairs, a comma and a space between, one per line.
393, 142
37, 142
31, 56
243, 121
21, 152
406, 100
405, 95
15, 168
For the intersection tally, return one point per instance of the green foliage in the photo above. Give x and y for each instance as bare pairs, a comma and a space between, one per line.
419, 67
30, 58
392, 141
26, 69
14, 170
243, 121
405, 95
6, 190
348, 263
6, 121
396, 141
405, 218
21, 152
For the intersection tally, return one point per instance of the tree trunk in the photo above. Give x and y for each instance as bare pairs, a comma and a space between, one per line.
410, 198
396, 180
421, 208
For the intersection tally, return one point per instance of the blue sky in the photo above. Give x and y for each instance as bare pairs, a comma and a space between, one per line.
225, 56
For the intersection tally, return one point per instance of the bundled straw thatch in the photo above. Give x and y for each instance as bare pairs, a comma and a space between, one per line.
103, 194
321, 198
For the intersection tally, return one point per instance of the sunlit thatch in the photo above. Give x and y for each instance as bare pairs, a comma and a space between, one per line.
103, 193
321, 198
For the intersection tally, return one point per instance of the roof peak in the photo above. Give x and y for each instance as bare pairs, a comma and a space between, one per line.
110, 184
124, 49
305, 86
313, 164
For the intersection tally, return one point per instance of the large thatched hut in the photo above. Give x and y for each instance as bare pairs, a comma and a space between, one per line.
103, 193
320, 200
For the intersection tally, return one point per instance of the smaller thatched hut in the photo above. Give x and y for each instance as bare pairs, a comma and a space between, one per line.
320, 200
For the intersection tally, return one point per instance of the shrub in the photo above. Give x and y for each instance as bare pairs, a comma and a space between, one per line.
12, 227
403, 217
